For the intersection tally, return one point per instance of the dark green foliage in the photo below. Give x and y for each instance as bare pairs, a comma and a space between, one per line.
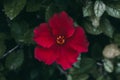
18, 18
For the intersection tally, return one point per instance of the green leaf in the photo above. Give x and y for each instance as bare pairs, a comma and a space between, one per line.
19, 30
95, 71
86, 64
99, 8
118, 76
50, 10
88, 9
108, 65
28, 35
95, 21
107, 28
69, 77
101, 78
33, 5
76, 65
113, 10
77, 76
116, 38
82, 77
2, 77
81, 73
13, 7
34, 74
91, 29
14, 60
117, 70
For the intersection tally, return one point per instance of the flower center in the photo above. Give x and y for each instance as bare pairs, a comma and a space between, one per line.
60, 40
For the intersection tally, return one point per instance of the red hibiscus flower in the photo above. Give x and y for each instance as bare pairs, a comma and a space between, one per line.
59, 41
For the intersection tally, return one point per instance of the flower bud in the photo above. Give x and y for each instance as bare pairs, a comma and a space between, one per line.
111, 51
95, 21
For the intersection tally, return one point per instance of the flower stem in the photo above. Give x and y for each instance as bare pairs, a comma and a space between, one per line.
10, 51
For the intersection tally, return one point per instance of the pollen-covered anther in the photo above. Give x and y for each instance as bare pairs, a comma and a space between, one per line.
60, 40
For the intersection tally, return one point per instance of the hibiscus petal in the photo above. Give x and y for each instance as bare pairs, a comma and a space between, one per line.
67, 57
43, 36
62, 24
78, 41
47, 55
